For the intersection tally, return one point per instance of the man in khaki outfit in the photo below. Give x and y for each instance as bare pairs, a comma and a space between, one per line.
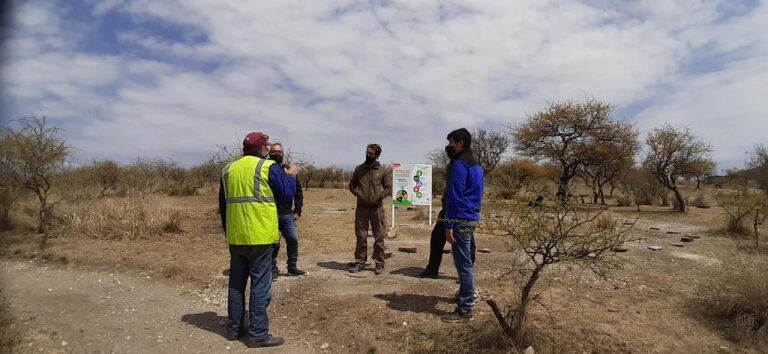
370, 184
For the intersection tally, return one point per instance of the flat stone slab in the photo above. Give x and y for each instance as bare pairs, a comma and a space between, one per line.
673, 232
686, 239
484, 250
408, 249
678, 245
655, 248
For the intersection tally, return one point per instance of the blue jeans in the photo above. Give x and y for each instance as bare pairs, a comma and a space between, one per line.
463, 232
287, 227
256, 262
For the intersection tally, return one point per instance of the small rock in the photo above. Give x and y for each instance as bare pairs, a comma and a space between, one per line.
484, 250
655, 248
628, 223
325, 345
405, 323
529, 350
392, 233
686, 239
678, 245
410, 208
407, 249
620, 249
673, 232
387, 255
655, 228
64, 343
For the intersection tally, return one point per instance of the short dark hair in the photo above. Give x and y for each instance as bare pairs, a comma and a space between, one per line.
462, 135
376, 148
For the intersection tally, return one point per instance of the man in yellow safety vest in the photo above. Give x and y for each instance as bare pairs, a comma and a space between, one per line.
250, 189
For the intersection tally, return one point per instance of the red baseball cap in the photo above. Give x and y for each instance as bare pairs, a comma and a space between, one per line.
255, 140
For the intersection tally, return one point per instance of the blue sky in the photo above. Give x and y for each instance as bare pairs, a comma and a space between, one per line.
174, 79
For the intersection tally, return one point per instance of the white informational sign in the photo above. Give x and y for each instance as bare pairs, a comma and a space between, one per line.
411, 186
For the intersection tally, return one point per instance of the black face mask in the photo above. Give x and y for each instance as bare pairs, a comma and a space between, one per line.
450, 151
277, 158
369, 159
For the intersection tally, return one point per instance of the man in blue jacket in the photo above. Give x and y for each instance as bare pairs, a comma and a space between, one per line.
463, 197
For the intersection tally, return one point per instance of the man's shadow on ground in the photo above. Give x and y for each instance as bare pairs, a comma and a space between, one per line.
415, 303
333, 265
208, 321
414, 272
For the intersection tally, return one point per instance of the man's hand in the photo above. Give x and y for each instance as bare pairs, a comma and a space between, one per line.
296, 217
449, 236
292, 170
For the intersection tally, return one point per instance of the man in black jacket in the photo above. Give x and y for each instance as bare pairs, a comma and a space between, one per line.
371, 184
287, 216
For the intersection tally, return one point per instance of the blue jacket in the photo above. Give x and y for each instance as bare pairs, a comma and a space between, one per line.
464, 190
283, 187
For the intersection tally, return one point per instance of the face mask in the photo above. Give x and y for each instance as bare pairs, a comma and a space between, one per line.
450, 151
369, 159
277, 158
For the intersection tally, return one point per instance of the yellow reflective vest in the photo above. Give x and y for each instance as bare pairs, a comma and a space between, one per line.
251, 213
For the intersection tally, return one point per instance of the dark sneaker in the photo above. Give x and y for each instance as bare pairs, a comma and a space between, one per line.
296, 272
428, 274
233, 336
275, 275
270, 341
356, 268
378, 270
457, 317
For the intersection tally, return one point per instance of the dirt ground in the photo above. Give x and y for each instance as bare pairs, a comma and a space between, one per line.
166, 293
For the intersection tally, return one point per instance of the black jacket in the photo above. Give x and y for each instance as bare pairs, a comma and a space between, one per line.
295, 205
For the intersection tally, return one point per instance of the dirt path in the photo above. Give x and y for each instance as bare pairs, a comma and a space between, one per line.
69, 310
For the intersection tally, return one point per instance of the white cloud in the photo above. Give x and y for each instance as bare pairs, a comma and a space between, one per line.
327, 78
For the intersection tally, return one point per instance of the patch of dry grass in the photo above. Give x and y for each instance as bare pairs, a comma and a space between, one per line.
10, 334
117, 219
737, 296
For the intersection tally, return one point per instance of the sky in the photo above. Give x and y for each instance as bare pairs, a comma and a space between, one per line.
175, 79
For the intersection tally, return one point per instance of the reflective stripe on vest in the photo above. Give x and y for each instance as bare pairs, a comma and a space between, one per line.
251, 215
258, 198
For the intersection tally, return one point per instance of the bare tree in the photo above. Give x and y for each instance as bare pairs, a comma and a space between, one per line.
567, 133
757, 168
517, 173
671, 154
439, 160
488, 147
546, 236
107, 174
33, 156
700, 169
610, 159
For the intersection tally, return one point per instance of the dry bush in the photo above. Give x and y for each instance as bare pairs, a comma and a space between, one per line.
421, 214
737, 296
173, 223
736, 208
113, 219
545, 236
606, 221
10, 333
702, 200
625, 201
8, 198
